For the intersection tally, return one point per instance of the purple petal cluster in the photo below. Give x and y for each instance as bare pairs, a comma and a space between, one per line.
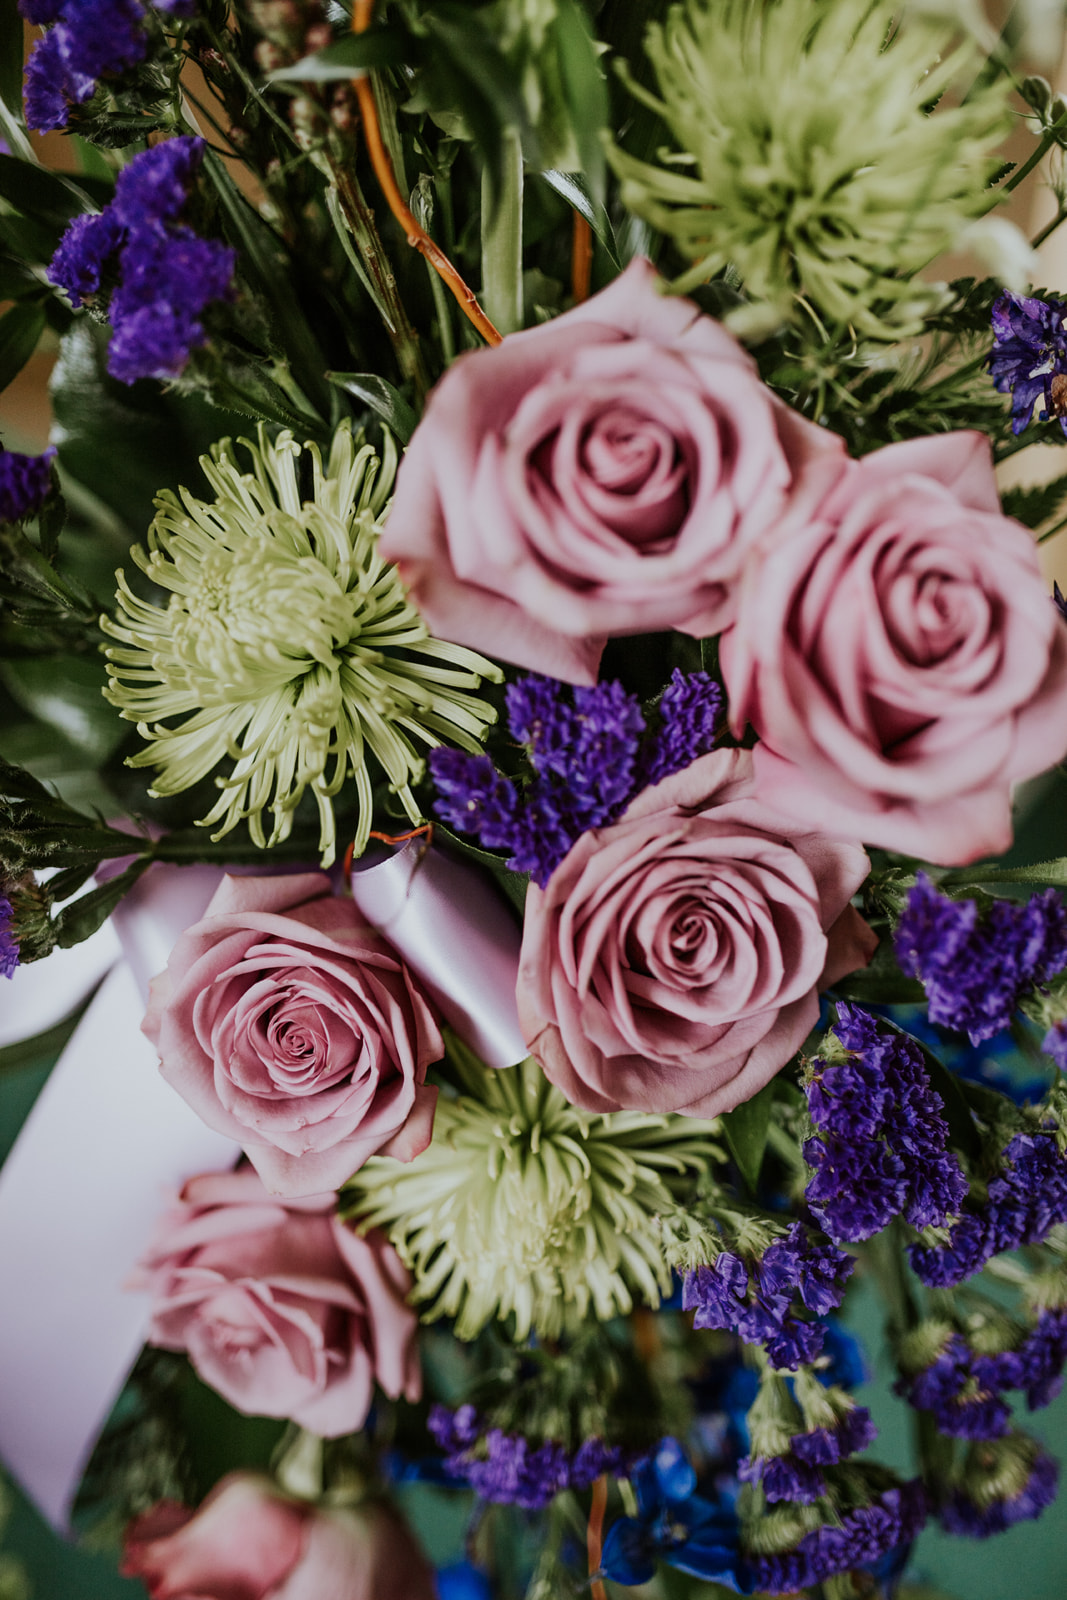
963, 1390
86, 41
167, 275
1054, 1043
589, 754
797, 1475
862, 1538
965, 1517
9, 948
507, 1469
1029, 353
759, 1303
24, 485
1042, 1358
1025, 1200
976, 970
880, 1144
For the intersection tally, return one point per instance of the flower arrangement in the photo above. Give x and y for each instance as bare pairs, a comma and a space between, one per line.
566, 766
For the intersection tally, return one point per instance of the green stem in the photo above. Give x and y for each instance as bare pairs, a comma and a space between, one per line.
1050, 228
1048, 139
502, 241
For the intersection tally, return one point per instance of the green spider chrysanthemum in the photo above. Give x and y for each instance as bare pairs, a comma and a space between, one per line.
810, 160
522, 1205
288, 645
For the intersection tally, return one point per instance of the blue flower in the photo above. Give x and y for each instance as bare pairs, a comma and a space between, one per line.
24, 485
674, 1525
462, 1582
1029, 354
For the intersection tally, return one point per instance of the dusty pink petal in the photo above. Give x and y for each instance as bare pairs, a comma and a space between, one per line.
851, 943
362, 1554
242, 1544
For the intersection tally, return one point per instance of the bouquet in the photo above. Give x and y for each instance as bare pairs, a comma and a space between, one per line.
562, 782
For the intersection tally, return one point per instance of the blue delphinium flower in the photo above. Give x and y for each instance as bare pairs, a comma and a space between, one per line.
590, 753
9, 949
761, 1307
880, 1145
167, 275
24, 483
976, 970
1029, 354
674, 1525
462, 1582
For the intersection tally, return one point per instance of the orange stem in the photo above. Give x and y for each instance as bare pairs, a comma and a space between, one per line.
595, 1536
581, 259
417, 236
425, 831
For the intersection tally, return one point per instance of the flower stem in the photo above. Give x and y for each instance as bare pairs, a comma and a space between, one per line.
417, 237
581, 259
595, 1536
502, 239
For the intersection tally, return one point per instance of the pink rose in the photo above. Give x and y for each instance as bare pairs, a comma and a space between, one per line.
900, 658
288, 1023
605, 473
281, 1307
249, 1541
673, 960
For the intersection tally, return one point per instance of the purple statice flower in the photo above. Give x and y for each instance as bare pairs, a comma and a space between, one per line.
24, 484
962, 1390
970, 1246
976, 971
41, 12
473, 797
9, 948
797, 1474
861, 1539
880, 1144
1042, 1357
760, 1306
965, 1517
689, 713
87, 40
155, 187
84, 252
1054, 1043
1029, 354
506, 1469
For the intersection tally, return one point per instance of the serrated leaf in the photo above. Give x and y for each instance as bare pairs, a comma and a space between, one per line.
572, 187
382, 398
350, 57
20, 329
584, 90
1034, 507
745, 1129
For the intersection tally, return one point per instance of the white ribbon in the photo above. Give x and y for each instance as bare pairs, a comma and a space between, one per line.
79, 1197
456, 933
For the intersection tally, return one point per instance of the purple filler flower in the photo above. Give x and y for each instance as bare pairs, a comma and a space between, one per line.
89, 39
967, 1518
976, 970
797, 1475
1029, 357
24, 485
9, 949
862, 1538
963, 1390
507, 1469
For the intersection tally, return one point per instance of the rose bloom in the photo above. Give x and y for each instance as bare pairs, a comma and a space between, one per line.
673, 961
605, 473
249, 1541
284, 1310
288, 1023
900, 657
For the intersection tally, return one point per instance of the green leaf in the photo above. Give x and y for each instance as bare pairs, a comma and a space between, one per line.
11, 51
66, 693
584, 90
1034, 507
39, 193
746, 1128
349, 57
381, 397
1052, 873
20, 329
572, 187
81, 918
466, 72
41, 1047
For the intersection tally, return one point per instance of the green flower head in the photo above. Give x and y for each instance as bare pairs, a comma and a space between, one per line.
288, 647
811, 160
523, 1206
